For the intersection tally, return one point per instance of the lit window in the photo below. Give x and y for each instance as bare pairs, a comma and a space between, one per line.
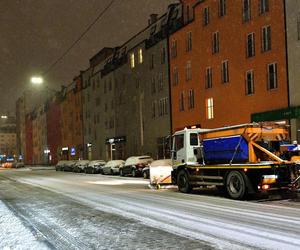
249, 82
132, 61
140, 55
209, 108
272, 76
225, 72
266, 38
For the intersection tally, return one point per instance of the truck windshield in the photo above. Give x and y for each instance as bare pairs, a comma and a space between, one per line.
194, 139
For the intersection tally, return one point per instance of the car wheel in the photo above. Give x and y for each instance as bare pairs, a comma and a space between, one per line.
183, 182
236, 185
121, 172
133, 172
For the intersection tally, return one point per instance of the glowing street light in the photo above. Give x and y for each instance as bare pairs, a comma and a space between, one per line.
37, 80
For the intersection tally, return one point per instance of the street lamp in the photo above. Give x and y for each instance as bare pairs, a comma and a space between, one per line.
4, 117
37, 80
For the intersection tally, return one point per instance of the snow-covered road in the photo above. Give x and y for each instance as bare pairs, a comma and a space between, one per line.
202, 221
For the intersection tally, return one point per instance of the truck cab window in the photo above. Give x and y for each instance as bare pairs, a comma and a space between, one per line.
194, 139
179, 142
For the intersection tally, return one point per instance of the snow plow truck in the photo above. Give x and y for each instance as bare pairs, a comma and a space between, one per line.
242, 159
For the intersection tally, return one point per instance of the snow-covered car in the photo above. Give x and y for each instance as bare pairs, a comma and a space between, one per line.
80, 166
160, 172
112, 167
94, 167
134, 165
59, 166
68, 166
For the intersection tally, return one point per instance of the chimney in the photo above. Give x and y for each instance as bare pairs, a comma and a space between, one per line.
152, 19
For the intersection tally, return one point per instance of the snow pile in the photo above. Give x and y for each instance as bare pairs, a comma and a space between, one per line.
13, 234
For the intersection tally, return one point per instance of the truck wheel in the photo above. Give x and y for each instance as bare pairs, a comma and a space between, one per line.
236, 185
183, 182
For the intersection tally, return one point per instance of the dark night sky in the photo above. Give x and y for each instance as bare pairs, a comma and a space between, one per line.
34, 33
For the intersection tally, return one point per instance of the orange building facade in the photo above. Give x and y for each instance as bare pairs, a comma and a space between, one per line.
71, 126
228, 62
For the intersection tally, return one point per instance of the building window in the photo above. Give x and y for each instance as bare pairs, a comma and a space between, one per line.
152, 62
215, 43
206, 16
249, 82
189, 41
209, 108
191, 99
154, 109
263, 6
163, 107
163, 55
153, 85
272, 76
188, 71
222, 8
266, 38
132, 61
246, 10
250, 45
175, 76
208, 78
160, 81
181, 102
140, 55
225, 72
174, 49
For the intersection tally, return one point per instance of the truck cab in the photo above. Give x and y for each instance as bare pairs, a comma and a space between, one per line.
185, 146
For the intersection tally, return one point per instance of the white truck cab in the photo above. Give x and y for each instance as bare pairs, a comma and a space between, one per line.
183, 146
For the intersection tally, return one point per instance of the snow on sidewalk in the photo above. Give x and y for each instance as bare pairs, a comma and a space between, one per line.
13, 234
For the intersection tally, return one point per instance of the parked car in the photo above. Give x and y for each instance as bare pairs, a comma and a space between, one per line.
94, 167
18, 164
80, 166
68, 166
59, 166
134, 165
112, 167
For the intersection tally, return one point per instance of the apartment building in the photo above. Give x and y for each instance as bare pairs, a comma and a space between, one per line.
228, 62
95, 90
71, 121
140, 103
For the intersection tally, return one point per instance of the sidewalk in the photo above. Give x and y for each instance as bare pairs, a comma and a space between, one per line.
13, 234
